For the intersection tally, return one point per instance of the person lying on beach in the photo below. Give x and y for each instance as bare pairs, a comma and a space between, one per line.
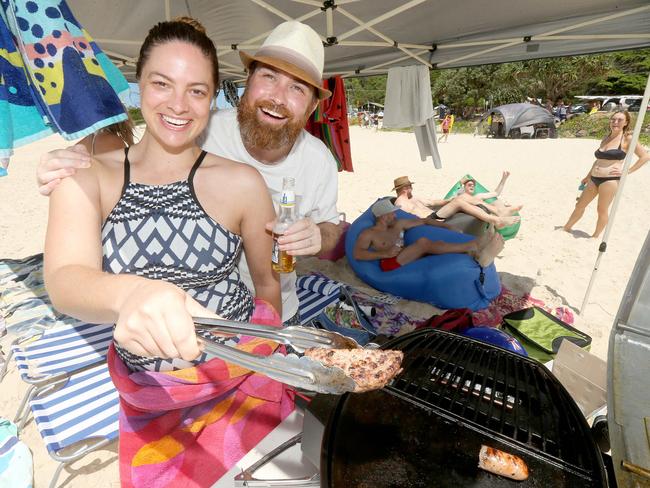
467, 202
383, 241
468, 194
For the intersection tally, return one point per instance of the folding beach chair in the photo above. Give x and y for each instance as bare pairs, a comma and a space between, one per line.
47, 356
77, 414
315, 292
73, 400
71, 396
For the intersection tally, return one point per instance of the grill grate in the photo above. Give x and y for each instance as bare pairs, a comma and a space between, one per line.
493, 389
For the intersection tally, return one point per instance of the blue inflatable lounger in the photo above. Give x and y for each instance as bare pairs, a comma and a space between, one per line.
446, 280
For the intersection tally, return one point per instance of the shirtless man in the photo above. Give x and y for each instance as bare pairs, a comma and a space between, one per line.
382, 241
467, 202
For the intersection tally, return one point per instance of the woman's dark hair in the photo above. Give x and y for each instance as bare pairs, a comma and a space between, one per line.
185, 29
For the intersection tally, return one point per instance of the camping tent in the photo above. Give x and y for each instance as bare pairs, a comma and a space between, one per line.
365, 37
519, 115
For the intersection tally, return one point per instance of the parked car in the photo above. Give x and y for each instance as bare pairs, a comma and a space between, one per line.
635, 105
578, 109
623, 102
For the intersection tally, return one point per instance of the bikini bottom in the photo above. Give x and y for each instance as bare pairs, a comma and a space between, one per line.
599, 181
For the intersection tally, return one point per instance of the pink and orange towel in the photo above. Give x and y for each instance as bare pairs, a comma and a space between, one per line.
189, 427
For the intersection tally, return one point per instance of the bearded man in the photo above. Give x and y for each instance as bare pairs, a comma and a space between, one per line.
266, 131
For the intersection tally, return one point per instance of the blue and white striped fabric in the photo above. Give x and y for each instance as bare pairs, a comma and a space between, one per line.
315, 292
64, 349
86, 407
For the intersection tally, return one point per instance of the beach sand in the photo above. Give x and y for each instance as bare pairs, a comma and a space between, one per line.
550, 264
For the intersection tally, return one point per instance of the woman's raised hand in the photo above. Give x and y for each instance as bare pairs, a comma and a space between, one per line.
156, 320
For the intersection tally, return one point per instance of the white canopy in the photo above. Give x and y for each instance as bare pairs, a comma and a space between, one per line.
366, 37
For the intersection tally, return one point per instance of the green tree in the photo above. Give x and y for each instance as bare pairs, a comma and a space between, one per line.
365, 89
554, 78
628, 73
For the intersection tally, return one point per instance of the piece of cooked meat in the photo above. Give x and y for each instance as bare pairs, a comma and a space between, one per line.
370, 369
502, 463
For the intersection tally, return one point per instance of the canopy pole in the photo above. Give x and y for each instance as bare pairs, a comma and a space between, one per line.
628, 160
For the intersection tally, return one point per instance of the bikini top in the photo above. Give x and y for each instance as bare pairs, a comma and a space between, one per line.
611, 154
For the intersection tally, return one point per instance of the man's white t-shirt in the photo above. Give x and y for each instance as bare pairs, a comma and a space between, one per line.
310, 163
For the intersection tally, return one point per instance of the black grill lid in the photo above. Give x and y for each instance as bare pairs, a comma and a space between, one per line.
506, 395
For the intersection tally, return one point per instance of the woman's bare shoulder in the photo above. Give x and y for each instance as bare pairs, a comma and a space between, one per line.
109, 162
102, 142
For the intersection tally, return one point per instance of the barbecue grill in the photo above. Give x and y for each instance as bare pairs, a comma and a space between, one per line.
426, 428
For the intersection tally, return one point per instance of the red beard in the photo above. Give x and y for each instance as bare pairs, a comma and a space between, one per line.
265, 136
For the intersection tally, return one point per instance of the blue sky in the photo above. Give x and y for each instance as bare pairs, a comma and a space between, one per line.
133, 99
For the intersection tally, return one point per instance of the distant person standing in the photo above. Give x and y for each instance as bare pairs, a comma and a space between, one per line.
562, 111
446, 127
549, 105
604, 175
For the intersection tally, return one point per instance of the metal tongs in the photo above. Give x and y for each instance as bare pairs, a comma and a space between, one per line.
293, 370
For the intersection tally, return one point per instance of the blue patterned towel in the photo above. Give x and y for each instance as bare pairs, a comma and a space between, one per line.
53, 76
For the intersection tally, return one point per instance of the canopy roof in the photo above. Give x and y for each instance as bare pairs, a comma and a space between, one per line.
523, 114
366, 37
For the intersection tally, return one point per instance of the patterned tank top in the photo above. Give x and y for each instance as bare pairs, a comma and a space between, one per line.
162, 232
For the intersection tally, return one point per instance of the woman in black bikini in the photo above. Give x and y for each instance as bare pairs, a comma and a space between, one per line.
602, 179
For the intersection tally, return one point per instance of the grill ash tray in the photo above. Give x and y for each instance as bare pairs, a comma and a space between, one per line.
454, 394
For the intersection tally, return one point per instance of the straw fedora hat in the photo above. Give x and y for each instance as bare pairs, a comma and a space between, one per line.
296, 49
401, 181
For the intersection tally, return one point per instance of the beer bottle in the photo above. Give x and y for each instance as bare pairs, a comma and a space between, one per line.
280, 260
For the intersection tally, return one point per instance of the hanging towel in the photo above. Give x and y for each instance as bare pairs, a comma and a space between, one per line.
189, 427
425, 135
329, 123
54, 77
408, 104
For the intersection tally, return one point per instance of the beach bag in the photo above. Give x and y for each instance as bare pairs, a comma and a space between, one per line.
541, 333
346, 318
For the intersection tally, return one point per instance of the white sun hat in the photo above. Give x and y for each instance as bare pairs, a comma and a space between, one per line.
383, 207
296, 49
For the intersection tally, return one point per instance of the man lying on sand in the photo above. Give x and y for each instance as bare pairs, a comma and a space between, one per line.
466, 201
383, 241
